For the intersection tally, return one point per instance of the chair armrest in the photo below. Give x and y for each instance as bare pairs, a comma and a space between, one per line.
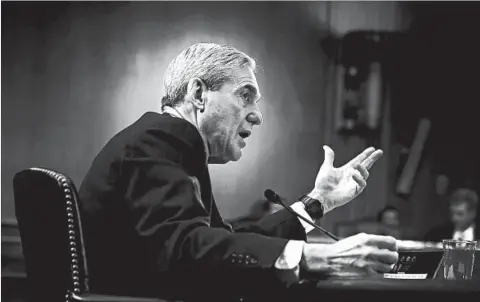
90, 297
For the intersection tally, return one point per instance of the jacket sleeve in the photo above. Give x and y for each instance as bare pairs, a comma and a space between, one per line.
176, 228
281, 224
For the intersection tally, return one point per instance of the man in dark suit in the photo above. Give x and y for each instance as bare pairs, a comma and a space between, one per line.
152, 224
463, 213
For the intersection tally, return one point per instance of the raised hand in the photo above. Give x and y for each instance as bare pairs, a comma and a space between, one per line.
337, 186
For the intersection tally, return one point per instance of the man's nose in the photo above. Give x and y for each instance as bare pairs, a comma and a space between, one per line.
255, 117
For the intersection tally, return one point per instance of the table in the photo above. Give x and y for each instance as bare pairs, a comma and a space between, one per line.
382, 289
336, 290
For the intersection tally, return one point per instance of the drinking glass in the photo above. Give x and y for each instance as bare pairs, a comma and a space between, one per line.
458, 259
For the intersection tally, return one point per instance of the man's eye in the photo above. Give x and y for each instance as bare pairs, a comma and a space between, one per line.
246, 95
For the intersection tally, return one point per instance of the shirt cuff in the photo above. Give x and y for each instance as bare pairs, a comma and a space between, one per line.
291, 256
288, 264
299, 208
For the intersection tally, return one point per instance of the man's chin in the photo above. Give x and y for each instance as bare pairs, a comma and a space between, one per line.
222, 160
234, 155
217, 160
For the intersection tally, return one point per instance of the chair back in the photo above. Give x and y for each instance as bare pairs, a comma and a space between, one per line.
47, 211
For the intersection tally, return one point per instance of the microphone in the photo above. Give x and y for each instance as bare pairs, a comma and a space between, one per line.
271, 196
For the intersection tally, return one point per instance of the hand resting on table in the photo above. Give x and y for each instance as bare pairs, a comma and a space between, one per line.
358, 255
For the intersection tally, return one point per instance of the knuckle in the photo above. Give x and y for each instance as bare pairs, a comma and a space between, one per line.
370, 250
362, 264
393, 242
391, 239
368, 239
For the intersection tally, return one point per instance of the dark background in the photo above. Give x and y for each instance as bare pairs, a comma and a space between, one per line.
74, 74
442, 83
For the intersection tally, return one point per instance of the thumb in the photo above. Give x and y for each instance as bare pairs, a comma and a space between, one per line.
329, 156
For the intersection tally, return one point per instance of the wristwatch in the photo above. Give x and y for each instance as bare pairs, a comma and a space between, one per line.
313, 207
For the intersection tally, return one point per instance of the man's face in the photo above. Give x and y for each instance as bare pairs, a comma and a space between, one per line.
230, 114
461, 215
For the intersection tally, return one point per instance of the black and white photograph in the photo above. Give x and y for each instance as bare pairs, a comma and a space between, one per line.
240, 151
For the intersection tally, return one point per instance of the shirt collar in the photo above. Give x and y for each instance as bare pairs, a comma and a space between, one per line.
174, 113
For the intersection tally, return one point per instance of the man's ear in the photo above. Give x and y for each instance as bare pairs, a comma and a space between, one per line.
196, 93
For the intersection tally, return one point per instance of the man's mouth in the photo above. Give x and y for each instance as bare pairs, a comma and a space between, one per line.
245, 134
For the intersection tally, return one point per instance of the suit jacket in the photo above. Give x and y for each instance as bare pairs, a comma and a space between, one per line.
445, 231
152, 227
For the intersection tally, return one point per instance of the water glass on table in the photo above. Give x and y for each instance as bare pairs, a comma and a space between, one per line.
458, 259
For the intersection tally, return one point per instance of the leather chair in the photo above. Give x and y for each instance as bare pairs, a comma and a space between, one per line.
47, 211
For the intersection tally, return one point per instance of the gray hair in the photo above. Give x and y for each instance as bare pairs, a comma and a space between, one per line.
465, 196
210, 62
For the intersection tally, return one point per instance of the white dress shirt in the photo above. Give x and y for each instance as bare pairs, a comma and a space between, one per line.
467, 234
289, 260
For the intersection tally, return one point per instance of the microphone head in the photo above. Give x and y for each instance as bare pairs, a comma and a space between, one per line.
271, 195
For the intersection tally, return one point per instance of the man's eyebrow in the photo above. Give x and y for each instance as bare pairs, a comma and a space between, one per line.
250, 87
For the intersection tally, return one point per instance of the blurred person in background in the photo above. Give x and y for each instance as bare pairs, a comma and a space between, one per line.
389, 216
463, 213
388, 220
